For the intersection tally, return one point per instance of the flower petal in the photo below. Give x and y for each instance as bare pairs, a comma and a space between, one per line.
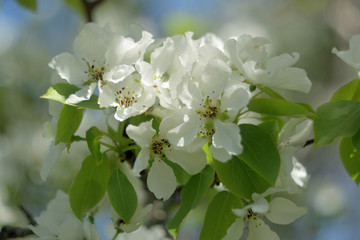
161, 180
235, 231
142, 160
191, 162
69, 68
82, 95
259, 230
118, 73
227, 135
141, 134
284, 211
51, 158
181, 127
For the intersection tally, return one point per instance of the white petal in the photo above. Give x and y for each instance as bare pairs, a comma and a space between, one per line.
351, 56
215, 78
163, 56
235, 231
220, 154
258, 230
181, 127
147, 74
118, 73
235, 97
191, 162
295, 132
161, 180
299, 174
91, 43
141, 134
51, 158
70, 228
260, 206
284, 211
227, 135
82, 95
277, 63
107, 95
142, 160
69, 68
291, 79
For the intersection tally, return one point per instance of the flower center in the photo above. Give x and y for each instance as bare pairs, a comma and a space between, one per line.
158, 146
126, 97
95, 72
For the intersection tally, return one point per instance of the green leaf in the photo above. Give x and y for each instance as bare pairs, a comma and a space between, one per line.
356, 141
350, 91
193, 191
69, 122
260, 152
341, 118
93, 136
350, 158
181, 175
122, 195
240, 179
272, 126
219, 216
61, 91
89, 186
271, 93
77, 5
281, 107
29, 4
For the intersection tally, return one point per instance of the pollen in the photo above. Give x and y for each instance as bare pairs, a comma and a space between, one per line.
158, 145
126, 97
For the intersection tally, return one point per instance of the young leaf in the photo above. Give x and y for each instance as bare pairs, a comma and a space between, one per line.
340, 118
61, 91
280, 107
239, 178
350, 158
69, 122
219, 216
260, 152
77, 5
93, 136
181, 175
350, 91
29, 4
356, 141
272, 93
191, 194
89, 186
122, 195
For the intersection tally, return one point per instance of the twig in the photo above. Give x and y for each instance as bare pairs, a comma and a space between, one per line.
89, 6
308, 142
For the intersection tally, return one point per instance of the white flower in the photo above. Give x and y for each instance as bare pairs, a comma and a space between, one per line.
155, 232
129, 96
246, 48
279, 210
155, 148
58, 222
97, 51
292, 137
278, 73
352, 55
212, 101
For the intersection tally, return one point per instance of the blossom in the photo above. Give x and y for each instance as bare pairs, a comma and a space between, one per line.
97, 51
155, 148
277, 73
58, 222
279, 210
352, 55
212, 101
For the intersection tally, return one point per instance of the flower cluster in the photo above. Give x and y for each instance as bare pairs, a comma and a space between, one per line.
197, 92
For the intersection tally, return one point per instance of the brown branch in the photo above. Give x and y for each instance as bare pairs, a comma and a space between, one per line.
89, 7
308, 142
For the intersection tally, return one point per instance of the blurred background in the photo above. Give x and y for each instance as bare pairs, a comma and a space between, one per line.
29, 39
